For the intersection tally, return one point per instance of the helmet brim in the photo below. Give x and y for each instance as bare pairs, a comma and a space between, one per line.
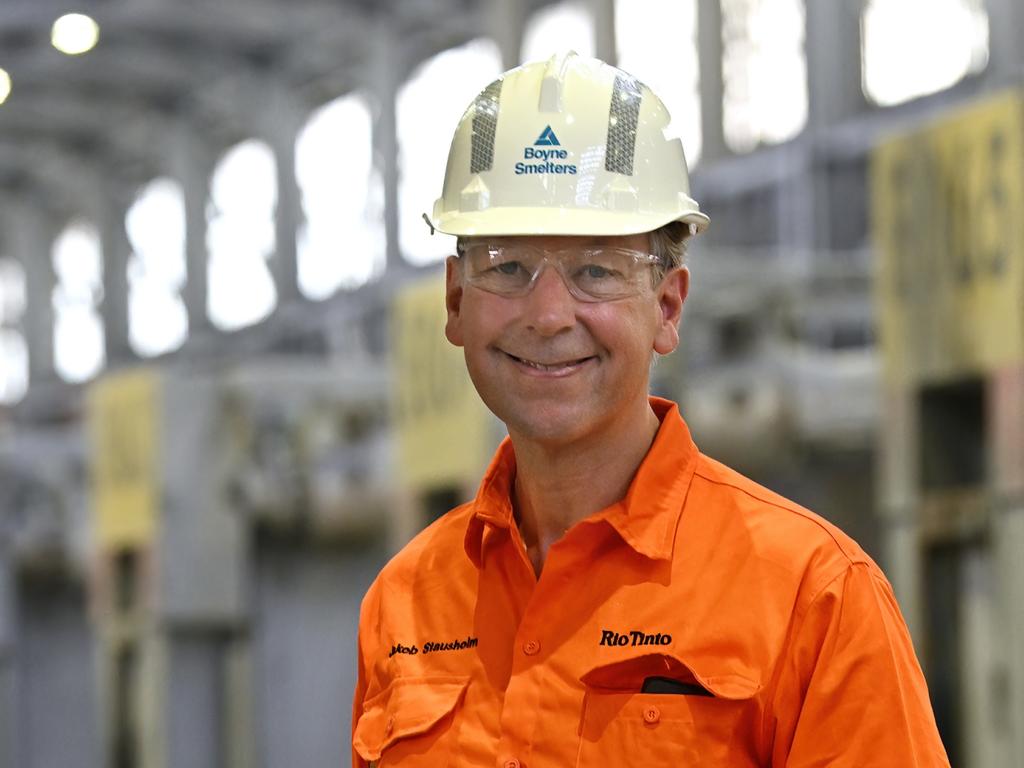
558, 221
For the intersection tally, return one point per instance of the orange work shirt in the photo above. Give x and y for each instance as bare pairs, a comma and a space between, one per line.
702, 620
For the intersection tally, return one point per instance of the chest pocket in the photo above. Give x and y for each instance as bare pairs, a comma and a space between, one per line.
682, 721
410, 723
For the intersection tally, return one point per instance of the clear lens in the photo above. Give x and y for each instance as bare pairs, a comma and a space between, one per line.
595, 273
505, 270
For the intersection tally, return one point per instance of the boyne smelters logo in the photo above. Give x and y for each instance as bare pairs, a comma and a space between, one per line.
545, 160
547, 138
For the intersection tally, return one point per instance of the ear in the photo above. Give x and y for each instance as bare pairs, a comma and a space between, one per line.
453, 300
671, 296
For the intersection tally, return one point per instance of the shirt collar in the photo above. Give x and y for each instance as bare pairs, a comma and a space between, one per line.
646, 519
492, 507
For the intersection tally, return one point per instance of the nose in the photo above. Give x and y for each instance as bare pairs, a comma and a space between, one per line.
549, 306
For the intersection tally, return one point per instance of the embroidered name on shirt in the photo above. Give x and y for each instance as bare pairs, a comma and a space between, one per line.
434, 647
633, 637
454, 645
412, 650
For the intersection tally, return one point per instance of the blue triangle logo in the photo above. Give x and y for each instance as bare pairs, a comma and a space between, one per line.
547, 138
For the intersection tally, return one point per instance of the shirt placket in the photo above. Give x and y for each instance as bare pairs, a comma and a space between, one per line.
534, 687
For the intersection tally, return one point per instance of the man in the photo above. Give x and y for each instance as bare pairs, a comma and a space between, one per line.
611, 596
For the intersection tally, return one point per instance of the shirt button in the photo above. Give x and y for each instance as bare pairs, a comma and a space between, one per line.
652, 715
530, 647
512, 763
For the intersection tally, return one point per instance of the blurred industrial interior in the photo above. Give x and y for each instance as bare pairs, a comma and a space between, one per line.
225, 396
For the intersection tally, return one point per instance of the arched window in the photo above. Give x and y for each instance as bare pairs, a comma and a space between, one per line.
428, 108
764, 68
78, 344
341, 242
567, 26
241, 236
13, 351
157, 318
657, 42
899, 66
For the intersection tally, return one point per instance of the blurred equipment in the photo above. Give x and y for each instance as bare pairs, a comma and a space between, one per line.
198, 482
445, 435
950, 291
781, 362
46, 644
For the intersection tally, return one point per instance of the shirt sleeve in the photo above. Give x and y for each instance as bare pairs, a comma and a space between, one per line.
851, 692
367, 621
357, 707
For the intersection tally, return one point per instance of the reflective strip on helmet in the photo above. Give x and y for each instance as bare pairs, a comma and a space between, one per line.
622, 119
485, 121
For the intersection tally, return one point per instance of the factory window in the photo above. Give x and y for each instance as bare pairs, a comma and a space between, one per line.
241, 236
949, 40
441, 88
157, 319
567, 26
341, 242
13, 352
78, 344
952, 438
764, 68
657, 42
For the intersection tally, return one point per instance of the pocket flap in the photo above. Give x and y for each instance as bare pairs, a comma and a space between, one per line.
629, 674
408, 706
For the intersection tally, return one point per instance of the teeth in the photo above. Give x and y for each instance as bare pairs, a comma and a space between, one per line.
554, 367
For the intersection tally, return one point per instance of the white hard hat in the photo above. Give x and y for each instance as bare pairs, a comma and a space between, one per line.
570, 146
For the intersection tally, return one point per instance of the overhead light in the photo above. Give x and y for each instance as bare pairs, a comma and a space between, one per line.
5, 86
74, 33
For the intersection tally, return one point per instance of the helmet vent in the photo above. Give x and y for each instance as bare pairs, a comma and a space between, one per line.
485, 124
623, 114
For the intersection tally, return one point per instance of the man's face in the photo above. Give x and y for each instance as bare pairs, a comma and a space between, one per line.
552, 367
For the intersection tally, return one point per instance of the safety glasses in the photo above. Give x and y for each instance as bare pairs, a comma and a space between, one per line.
591, 273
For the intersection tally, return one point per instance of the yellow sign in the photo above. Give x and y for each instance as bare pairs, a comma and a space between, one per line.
442, 424
948, 226
124, 425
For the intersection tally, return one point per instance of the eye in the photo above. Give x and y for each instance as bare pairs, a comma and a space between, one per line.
596, 272
508, 267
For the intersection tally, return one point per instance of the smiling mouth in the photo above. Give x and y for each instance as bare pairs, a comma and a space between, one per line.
550, 367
